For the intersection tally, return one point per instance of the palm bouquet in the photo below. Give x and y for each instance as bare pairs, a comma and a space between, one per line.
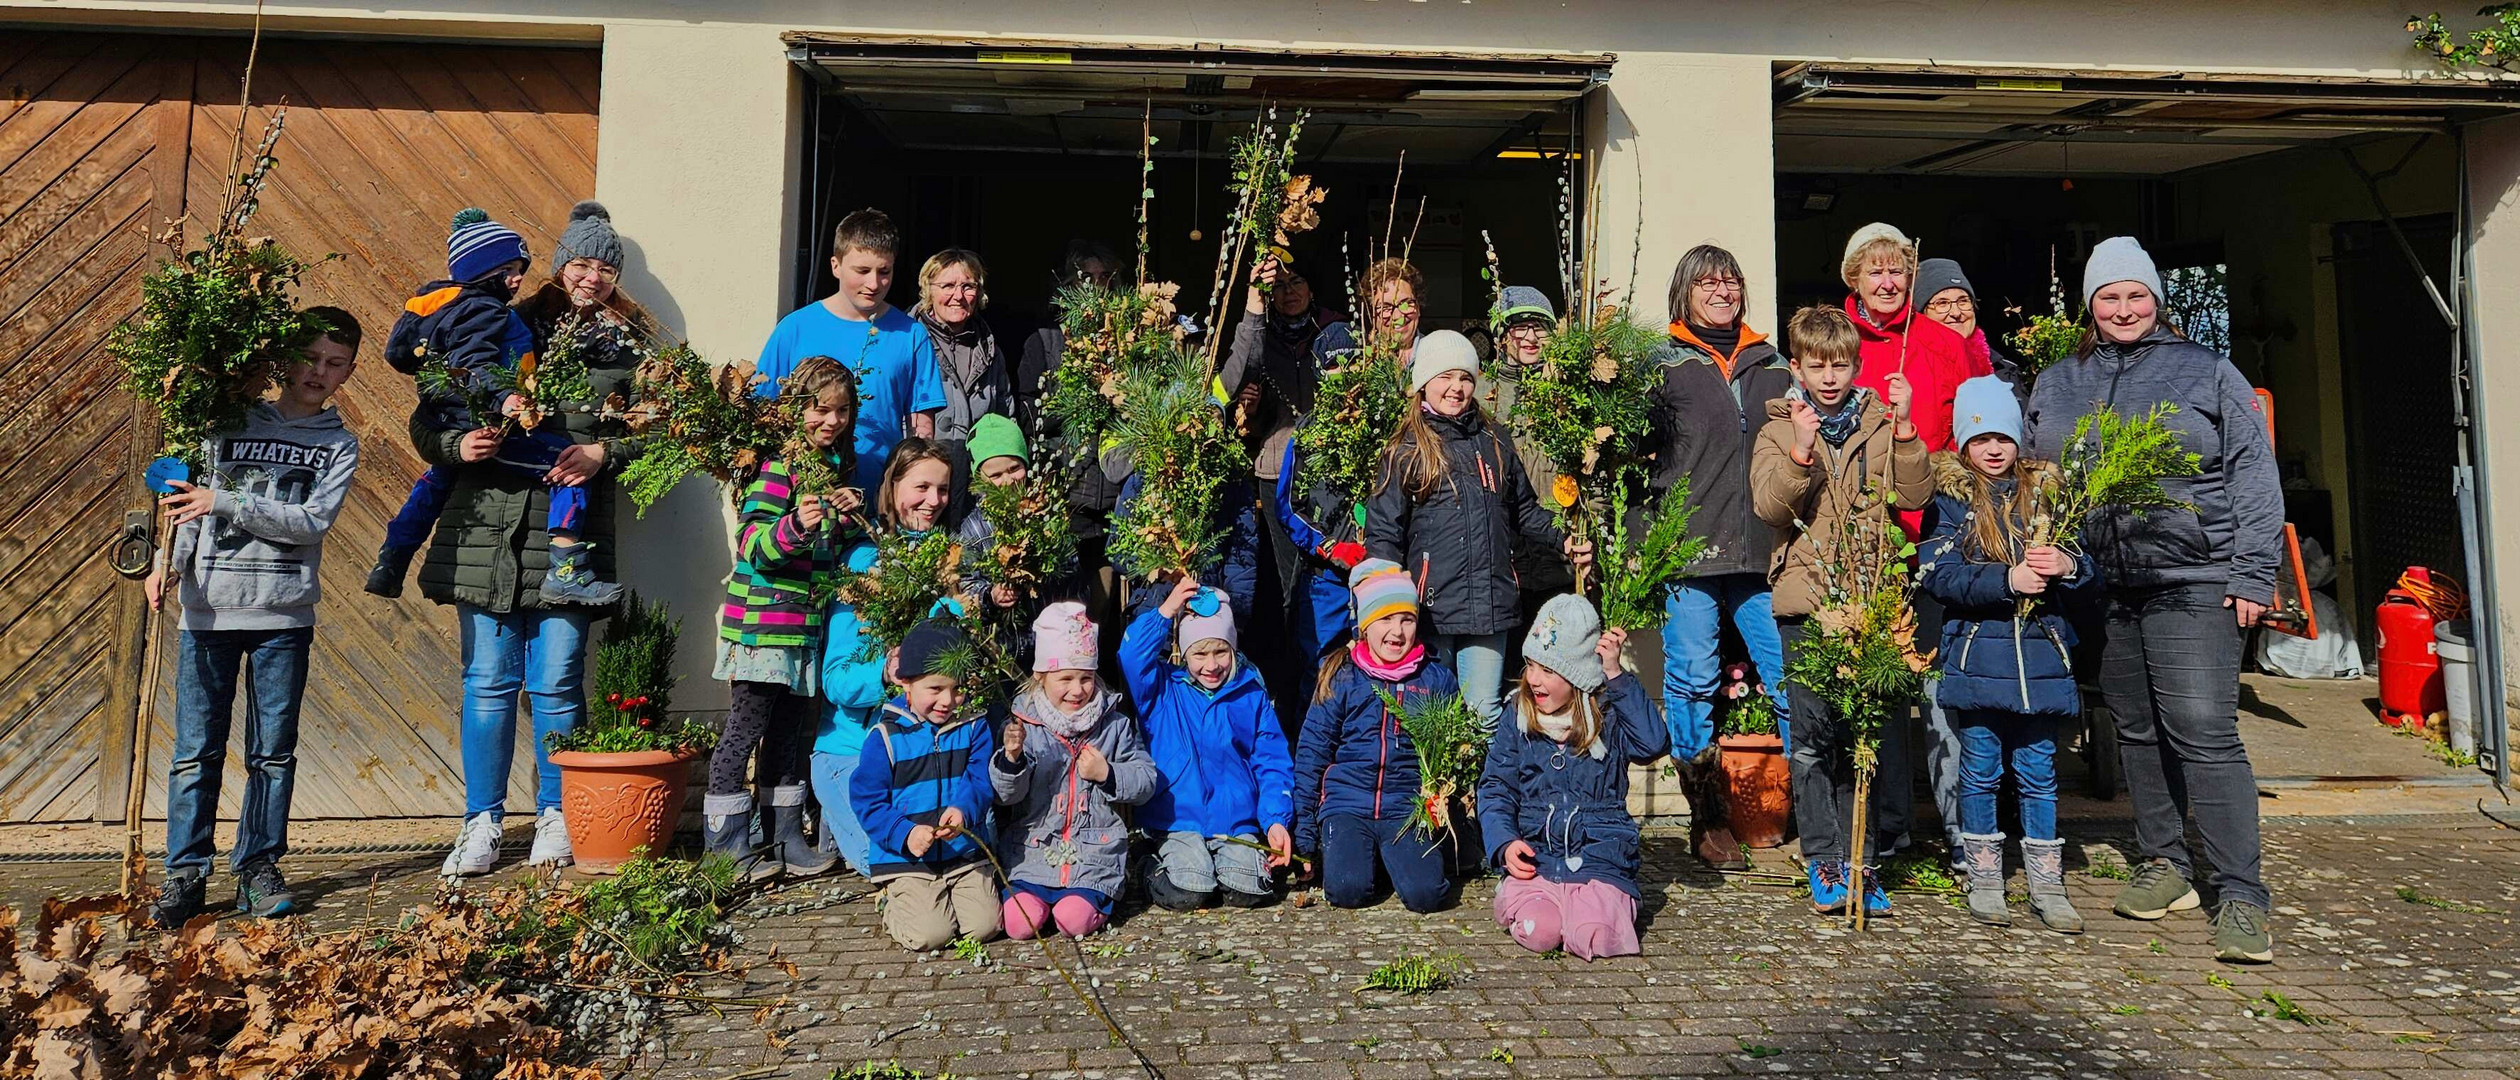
1859, 653
1356, 408
1638, 573
1176, 433
2044, 340
702, 419
1452, 744
2112, 463
1110, 333
1587, 404
1032, 537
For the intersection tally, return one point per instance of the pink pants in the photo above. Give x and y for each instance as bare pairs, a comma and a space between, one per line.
1026, 916
1588, 919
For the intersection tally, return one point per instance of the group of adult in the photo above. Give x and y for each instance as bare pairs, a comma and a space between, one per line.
2181, 585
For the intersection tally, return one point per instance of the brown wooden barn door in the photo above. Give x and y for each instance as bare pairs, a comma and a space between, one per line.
103, 137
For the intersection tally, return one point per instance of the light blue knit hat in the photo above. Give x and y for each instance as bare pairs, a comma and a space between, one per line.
1985, 406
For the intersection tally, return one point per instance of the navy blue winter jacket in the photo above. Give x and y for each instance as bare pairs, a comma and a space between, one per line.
1569, 805
1992, 661
1353, 756
468, 327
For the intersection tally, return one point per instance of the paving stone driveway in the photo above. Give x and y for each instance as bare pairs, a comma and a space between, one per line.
1738, 978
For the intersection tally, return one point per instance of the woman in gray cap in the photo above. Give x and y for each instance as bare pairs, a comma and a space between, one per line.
2184, 582
1943, 294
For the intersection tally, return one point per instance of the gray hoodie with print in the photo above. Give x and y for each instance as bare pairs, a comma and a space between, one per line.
1059, 830
252, 563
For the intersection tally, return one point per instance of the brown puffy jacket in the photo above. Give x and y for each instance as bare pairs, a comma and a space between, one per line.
1810, 505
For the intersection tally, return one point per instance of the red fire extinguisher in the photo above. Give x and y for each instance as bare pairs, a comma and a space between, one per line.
2410, 669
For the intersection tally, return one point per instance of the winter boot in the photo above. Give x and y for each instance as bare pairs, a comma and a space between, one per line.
571, 579
1985, 856
799, 856
393, 564
1710, 836
2044, 860
726, 822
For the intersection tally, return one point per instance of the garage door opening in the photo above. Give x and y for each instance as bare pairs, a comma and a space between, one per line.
1015, 149
2274, 209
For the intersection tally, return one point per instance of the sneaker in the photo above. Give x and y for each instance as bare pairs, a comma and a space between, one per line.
2159, 888
2240, 934
551, 840
1876, 897
476, 850
181, 900
262, 892
1828, 885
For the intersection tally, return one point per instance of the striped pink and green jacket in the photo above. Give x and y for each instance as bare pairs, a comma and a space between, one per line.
779, 566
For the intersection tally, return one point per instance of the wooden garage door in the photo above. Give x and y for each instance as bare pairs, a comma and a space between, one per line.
104, 136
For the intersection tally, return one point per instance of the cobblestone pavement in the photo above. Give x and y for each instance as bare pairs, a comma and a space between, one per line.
1738, 978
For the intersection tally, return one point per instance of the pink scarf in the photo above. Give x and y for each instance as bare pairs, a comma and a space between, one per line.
1362, 655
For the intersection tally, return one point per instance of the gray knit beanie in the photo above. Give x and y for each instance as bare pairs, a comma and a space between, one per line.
1563, 638
1935, 275
2119, 258
590, 235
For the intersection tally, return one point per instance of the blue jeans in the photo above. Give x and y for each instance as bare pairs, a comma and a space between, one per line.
841, 831
1691, 668
2170, 670
411, 525
1357, 851
543, 654
1478, 660
206, 663
1986, 740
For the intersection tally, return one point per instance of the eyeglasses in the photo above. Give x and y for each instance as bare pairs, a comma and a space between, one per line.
603, 271
1396, 308
1950, 305
1714, 285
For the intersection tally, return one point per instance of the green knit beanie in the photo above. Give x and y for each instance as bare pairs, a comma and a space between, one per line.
996, 436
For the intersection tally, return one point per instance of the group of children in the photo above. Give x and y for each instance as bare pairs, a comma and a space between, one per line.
1022, 819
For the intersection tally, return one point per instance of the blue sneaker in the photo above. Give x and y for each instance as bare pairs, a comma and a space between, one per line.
1828, 885
1876, 898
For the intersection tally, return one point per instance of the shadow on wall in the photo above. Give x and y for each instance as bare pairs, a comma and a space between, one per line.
680, 552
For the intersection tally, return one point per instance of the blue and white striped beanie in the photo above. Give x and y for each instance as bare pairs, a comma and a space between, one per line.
476, 245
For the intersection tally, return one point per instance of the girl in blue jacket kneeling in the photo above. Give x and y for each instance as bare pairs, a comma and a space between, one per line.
1356, 774
2007, 677
1219, 751
1553, 800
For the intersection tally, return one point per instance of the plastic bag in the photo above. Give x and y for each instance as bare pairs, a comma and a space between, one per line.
2332, 655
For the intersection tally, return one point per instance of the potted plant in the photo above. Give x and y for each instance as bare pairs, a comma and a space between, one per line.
1757, 785
622, 771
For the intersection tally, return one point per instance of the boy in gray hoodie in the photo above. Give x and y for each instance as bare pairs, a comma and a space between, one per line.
249, 540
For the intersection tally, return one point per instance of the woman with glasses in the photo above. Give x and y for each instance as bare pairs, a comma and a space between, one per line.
953, 289
1718, 376
1944, 295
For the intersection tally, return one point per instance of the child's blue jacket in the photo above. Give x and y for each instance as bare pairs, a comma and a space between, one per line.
1222, 757
1570, 806
1353, 756
1991, 660
910, 772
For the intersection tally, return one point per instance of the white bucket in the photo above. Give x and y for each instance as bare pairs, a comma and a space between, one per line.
2458, 690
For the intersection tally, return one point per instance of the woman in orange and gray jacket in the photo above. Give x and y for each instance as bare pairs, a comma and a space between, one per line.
1832, 457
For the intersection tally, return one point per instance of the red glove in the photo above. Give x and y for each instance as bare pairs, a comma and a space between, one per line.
1346, 553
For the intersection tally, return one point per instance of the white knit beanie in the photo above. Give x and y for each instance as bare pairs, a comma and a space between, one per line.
2116, 259
1876, 231
1439, 352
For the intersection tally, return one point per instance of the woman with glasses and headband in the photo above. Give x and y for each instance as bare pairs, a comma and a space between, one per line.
1944, 295
1718, 376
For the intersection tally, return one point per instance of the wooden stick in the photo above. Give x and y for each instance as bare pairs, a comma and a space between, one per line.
1146, 178
135, 871
1855, 844
1392, 218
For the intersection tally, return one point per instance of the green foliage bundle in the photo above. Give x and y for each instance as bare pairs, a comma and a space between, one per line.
1110, 334
593, 953
698, 418
631, 686
217, 323
1859, 654
559, 375
1588, 403
1271, 204
1639, 573
1358, 405
2112, 462
896, 594
1415, 974
479, 387
2495, 45
1452, 742
2043, 341
1032, 536
1177, 435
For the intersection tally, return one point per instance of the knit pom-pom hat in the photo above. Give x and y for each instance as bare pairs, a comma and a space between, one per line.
590, 235
476, 245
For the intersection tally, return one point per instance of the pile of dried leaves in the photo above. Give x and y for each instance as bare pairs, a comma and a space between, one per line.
524, 983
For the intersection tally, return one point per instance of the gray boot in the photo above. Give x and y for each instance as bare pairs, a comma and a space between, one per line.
727, 822
2045, 862
801, 857
1985, 856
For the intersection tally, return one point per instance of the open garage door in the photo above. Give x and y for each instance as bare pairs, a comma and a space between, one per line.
1014, 148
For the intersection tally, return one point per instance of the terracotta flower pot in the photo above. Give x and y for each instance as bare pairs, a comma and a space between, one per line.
619, 803
1757, 786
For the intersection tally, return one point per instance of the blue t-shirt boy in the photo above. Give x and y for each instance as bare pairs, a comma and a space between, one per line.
896, 371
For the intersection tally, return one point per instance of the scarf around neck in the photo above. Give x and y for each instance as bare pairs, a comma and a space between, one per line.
1559, 726
1836, 427
1362, 655
1036, 706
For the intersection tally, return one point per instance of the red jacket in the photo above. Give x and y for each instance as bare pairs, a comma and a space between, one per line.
1936, 363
